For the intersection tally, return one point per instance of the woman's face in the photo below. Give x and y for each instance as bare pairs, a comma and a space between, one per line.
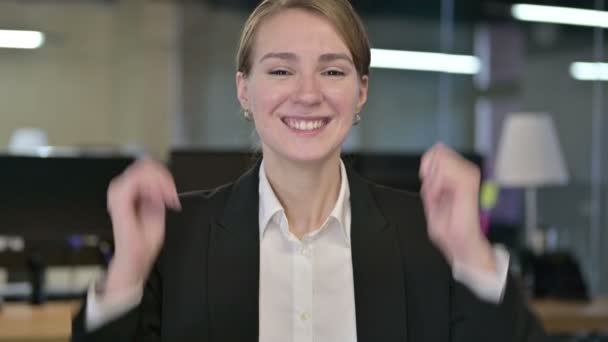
303, 89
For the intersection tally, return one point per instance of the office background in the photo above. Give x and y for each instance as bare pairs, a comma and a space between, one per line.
158, 76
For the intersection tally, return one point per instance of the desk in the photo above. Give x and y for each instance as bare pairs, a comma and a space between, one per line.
26, 323
52, 321
567, 317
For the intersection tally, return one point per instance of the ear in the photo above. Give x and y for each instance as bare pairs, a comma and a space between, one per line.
364, 84
241, 90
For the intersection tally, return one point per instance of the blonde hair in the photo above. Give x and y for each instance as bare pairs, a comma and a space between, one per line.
339, 12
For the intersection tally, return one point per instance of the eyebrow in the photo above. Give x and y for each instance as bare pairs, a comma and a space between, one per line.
280, 55
330, 57
324, 58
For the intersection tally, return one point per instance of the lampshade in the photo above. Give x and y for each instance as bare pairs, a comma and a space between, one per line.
529, 153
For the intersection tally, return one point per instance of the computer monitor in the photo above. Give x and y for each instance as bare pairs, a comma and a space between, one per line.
196, 169
396, 170
51, 198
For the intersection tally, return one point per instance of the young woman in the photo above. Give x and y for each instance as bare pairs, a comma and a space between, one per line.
300, 248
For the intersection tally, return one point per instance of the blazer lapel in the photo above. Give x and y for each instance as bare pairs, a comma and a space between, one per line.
234, 256
234, 251
380, 302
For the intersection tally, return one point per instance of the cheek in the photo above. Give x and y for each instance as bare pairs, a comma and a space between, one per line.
266, 97
343, 99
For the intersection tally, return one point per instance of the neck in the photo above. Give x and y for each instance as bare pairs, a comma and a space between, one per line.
307, 191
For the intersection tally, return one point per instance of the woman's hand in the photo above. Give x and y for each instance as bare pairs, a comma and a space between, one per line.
450, 193
136, 201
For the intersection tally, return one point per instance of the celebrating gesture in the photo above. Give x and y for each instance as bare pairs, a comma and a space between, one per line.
450, 193
301, 248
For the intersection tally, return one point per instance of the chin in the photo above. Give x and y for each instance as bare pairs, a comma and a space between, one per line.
306, 155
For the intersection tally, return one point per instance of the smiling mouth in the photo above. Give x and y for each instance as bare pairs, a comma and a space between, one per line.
305, 125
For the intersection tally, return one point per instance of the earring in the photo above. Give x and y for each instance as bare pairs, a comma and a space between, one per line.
247, 115
357, 119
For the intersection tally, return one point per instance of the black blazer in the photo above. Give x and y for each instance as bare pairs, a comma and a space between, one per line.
205, 283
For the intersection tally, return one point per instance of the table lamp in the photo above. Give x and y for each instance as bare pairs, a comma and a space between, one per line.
529, 156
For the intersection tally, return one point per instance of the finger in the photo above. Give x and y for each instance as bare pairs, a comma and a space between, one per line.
151, 173
450, 153
152, 215
435, 189
128, 191
162, 178
457, 172
152, 218
151, 200
121, 200
169, 188
431, 192
151, 194
123, 213
431, 172
426, 162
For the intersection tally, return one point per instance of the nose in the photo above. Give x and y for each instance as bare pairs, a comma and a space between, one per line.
308, 90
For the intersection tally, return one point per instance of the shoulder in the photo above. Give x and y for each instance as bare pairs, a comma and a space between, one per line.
205, 199
399, 206
200, 205
199, 210
402, 210
387, 196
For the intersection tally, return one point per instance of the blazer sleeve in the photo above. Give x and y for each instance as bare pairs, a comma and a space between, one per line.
473, 319
142, 323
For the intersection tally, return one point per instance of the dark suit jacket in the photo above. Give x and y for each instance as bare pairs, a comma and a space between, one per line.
205, 283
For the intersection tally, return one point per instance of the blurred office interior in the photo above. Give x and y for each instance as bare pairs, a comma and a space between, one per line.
103, 82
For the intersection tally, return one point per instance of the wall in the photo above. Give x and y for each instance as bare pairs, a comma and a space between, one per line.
401, 113
102, 78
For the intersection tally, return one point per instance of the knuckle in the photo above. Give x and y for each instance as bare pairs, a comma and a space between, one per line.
133, 167
440, 147
476, 172
112, 188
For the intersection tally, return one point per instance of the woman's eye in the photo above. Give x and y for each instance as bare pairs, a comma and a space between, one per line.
279, 72
334, 73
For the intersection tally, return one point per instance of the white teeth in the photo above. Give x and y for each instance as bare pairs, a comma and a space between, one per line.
304, 125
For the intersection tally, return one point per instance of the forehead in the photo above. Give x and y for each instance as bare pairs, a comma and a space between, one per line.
298, 31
